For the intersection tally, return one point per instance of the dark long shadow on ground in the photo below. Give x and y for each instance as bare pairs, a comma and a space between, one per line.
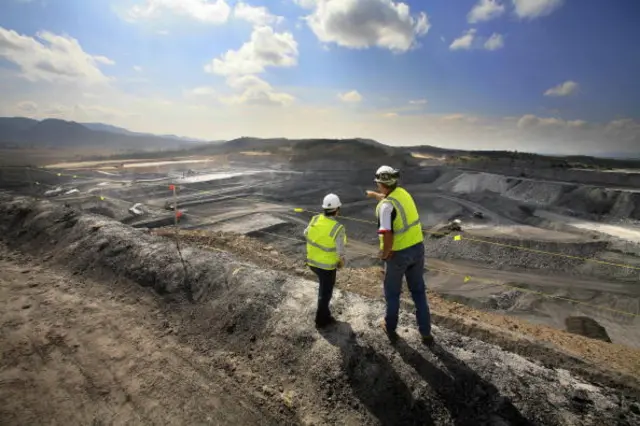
470, 399
374, 381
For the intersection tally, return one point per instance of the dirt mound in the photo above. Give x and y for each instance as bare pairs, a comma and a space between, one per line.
588, 327
582, 200
349, 374
467, 183
512, 253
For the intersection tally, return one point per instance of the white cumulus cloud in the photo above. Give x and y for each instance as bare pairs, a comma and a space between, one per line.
27, 107
459, 118
360, 24
531, 9
530, 121
51, 57
486, 10
470, 40
104, 60
251, 112
255, 91
202, 91
495, 42
307, 4
212, 12
464, 42
352, 97
256, 15
418, 102
625, 130
565, 89
266, 48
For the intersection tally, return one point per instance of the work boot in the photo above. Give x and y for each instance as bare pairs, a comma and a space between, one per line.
392, 335
428, 340
325, 322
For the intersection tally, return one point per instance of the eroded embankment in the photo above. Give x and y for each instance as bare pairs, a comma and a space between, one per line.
582, 259
585, 201
349, 374
507, 332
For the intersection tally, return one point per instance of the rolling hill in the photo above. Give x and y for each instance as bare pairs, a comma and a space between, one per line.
122, 131
18, 132
25, 133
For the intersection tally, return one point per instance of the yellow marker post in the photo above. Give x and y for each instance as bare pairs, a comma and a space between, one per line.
457, 238
298, 210
101, 198
74, 176
59, 174
467, 279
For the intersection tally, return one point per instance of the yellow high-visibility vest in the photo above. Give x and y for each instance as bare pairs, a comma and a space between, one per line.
407, 229
321, 242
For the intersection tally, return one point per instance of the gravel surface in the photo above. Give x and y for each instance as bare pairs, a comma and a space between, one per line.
348, 374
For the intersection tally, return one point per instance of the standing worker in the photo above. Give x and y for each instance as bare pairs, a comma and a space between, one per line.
326, 240
402, 250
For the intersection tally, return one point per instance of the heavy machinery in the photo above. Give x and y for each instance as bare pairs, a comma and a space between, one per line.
454, 225
136, 209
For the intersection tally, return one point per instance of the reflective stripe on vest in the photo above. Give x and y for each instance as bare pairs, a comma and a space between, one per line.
327, 266
405, 233
321, 242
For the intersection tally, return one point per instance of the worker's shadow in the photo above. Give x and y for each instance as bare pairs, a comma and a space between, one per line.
469, 398
373, 381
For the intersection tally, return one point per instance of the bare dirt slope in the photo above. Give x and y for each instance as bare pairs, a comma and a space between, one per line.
76, 351
502, 330
241, 334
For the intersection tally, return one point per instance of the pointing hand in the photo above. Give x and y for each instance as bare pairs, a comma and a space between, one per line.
372, 194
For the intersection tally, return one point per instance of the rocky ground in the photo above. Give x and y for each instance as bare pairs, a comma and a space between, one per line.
502, 330
220, 340
79, 351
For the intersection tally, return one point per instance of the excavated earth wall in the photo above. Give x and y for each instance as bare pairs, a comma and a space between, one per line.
582, 177
582, 200
348, 374
505, 253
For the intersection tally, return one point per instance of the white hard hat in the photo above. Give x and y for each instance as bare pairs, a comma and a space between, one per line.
331, 202
387, 175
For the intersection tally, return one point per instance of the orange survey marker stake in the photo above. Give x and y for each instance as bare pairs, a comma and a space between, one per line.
172, 187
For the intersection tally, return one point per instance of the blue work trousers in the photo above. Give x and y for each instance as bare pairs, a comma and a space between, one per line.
410, 264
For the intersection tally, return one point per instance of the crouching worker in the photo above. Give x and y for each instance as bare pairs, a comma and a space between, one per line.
326, 240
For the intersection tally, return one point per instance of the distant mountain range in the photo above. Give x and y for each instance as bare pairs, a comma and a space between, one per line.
19, 132
122, 131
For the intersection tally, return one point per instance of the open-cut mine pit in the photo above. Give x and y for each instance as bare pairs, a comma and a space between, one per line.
535, 313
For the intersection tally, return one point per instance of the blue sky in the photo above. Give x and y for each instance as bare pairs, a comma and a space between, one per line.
537, 75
